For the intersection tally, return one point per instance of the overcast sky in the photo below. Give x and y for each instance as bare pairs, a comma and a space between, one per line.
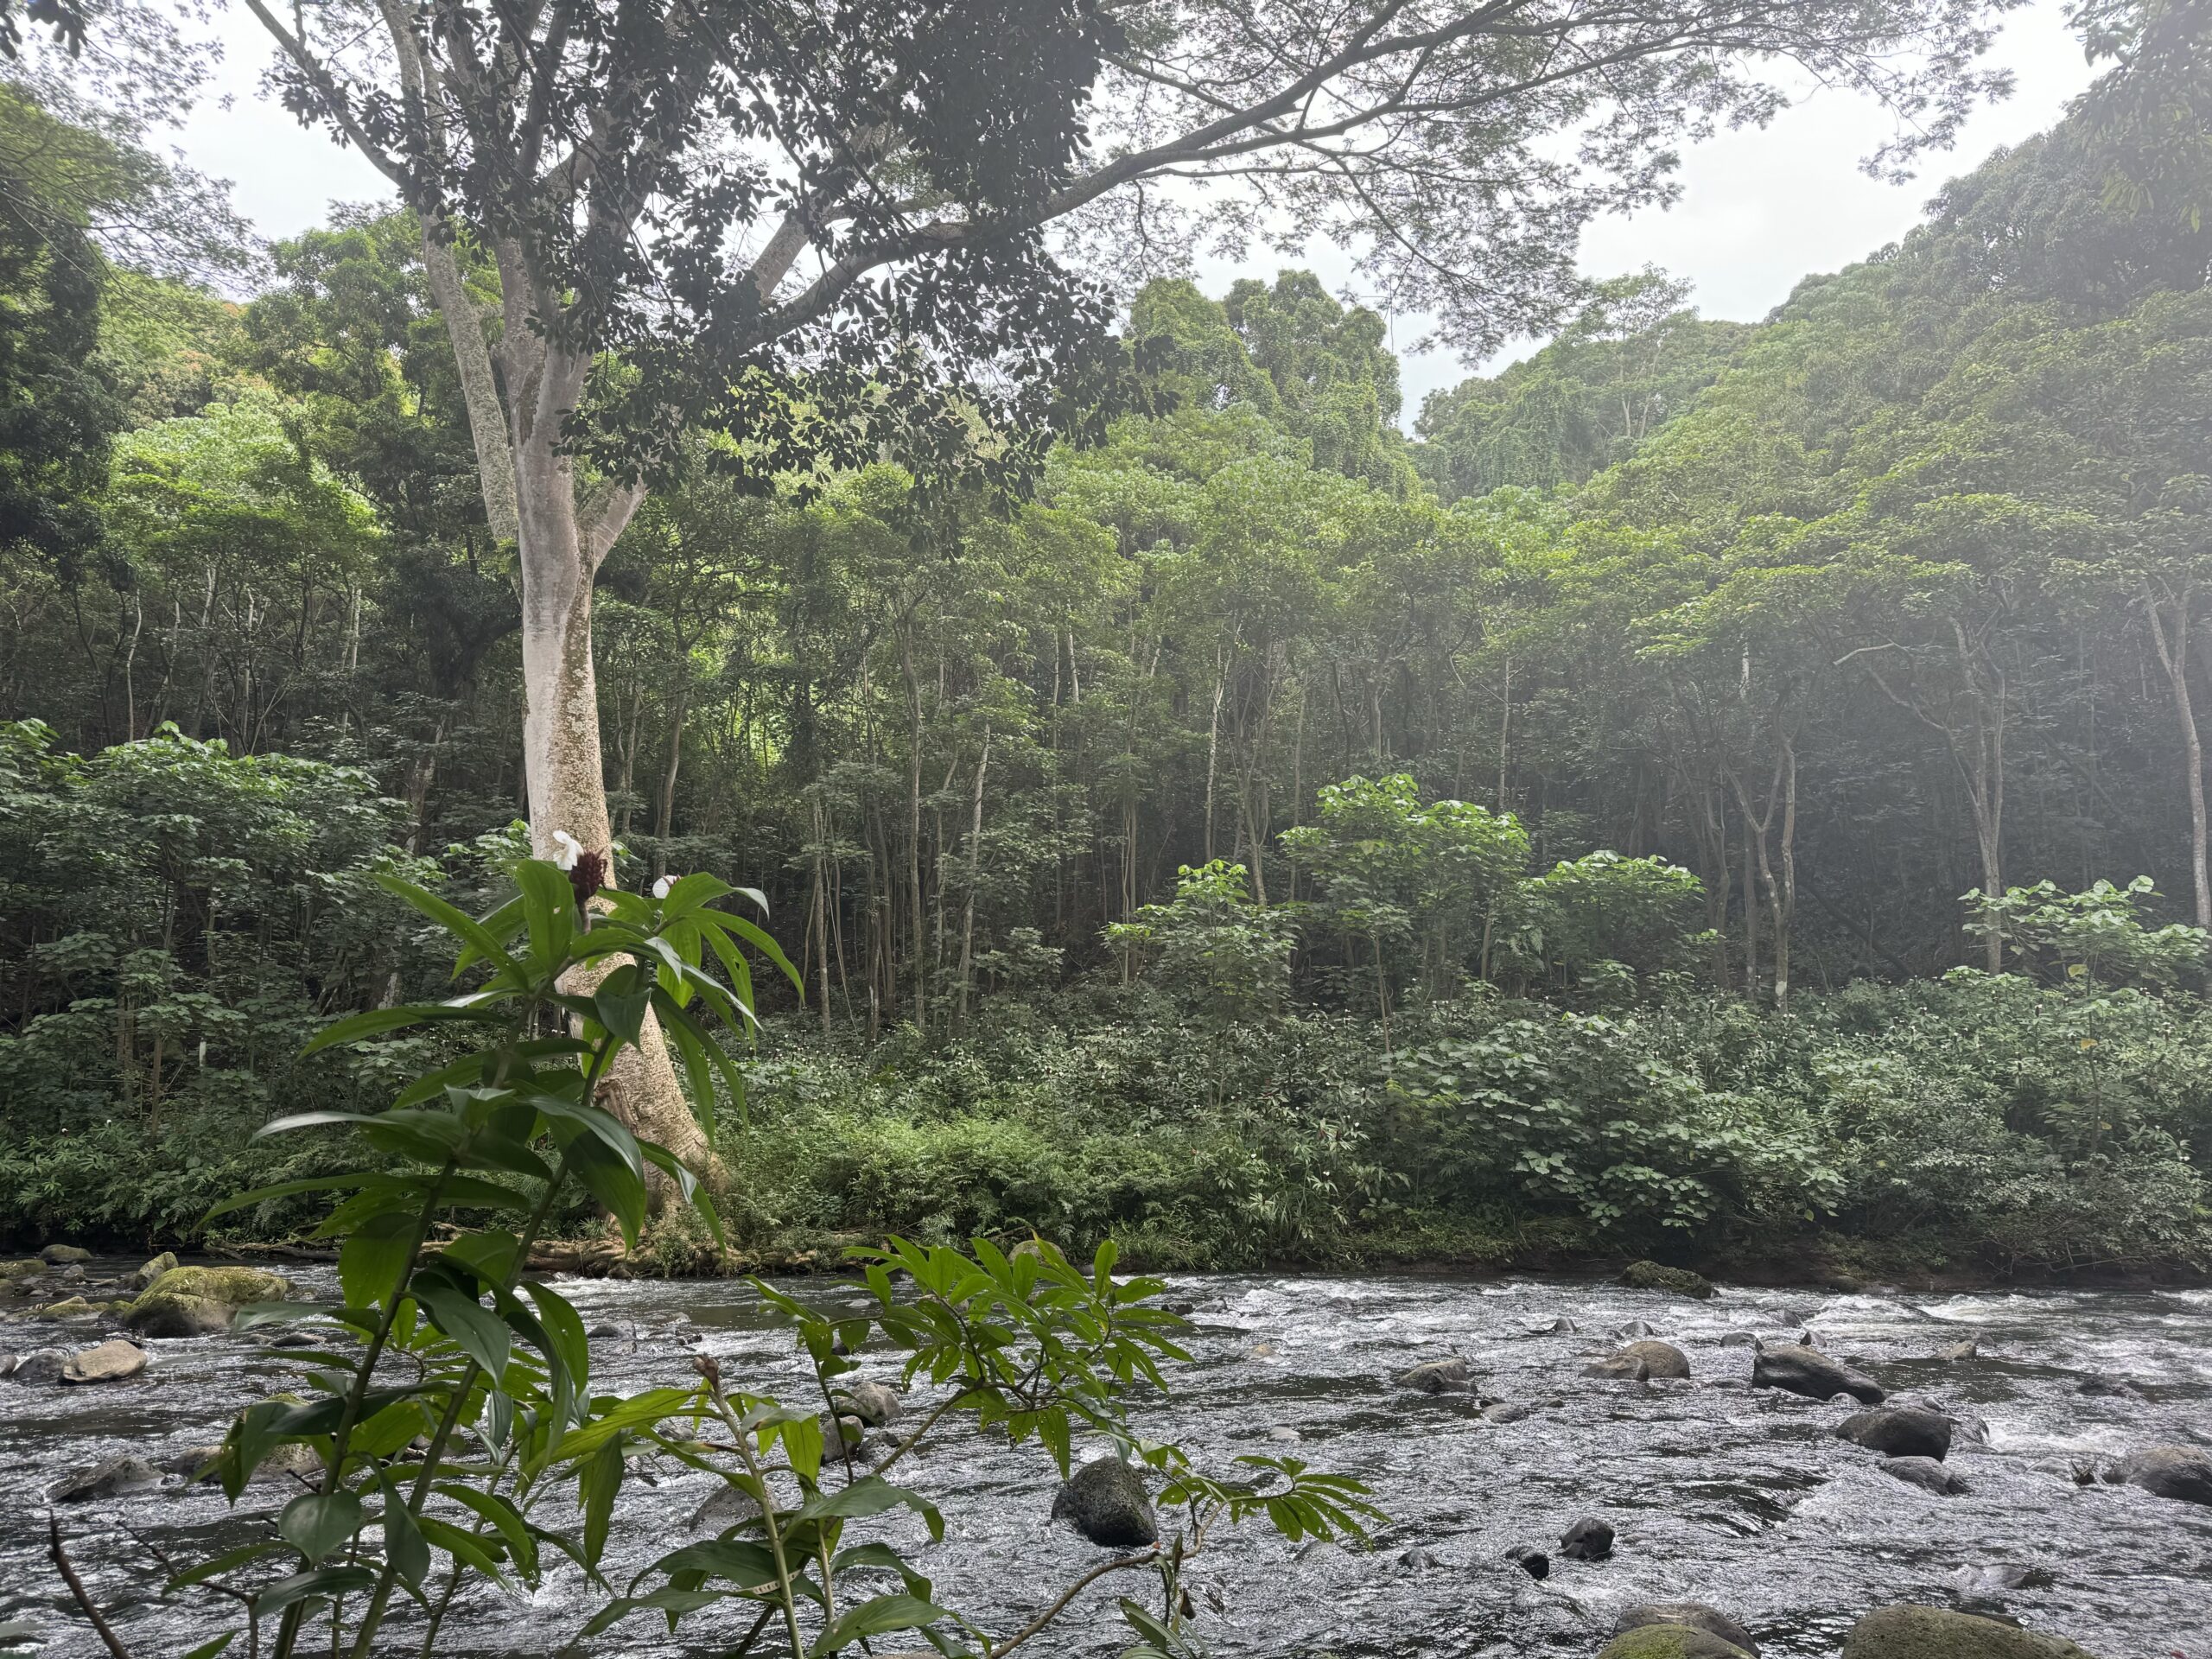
1758, 210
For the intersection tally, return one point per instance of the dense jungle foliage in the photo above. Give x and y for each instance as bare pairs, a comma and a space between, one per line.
1281, 839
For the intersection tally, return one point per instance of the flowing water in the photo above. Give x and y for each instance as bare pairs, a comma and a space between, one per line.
1718, 1493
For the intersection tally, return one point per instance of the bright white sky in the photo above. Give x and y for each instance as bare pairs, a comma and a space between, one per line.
1758, 211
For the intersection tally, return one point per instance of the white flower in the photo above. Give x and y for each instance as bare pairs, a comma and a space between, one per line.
661, 886
570, 850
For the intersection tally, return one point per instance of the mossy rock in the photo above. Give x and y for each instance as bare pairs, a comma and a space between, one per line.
23, 1269
1935, 1633
1669, 1641
1650, 1275
199, 1301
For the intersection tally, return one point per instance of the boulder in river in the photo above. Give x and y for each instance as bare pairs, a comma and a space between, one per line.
199, 1301
70, 1307
62, 1255
874, 1403
110, 1480
150, 1271
1530, 1559
40, 1365
1106, 1503
1509, 1411
1925, 1473
1671, 1641
2111, 1388
1650, 1275
1935, 1633
1660, 1358
1587, 1539
1634, 1329
2181, 1472
1959, 1351
1622, 1366
725, 1506
1739, 1339
1899, 1431
1804, 1369
1450, 1375
1562, 1327
111, 1362
1696, 1615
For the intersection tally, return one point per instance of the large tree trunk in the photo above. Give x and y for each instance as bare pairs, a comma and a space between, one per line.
2173, 657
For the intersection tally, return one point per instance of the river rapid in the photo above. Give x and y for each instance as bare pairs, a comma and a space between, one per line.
1718, 1493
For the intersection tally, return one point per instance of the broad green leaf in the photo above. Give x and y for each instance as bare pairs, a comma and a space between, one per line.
315, 1523
878, 1616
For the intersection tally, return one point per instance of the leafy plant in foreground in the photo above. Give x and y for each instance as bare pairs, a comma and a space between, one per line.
453, 1398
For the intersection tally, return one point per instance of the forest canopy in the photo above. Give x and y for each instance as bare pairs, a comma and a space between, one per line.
1709, 692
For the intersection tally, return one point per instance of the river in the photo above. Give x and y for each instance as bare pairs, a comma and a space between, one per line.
1718, 1493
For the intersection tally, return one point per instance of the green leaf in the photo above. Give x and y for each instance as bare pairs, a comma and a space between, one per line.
878, 1616
548, 908
504, 1519
374, 1257
404, 1546
320, 1582
244, 1556
597, 1482
568, 1355
209, 1649
478, 1333
466, 1550
618, 1185
476, 937
372, 1022
674, 1602
618, 1416
315, 1523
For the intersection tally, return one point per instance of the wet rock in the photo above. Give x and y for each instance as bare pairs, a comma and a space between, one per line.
1670, 1642
40, 1365
11, 1271
605, 1330
6, 1364
111, 1362
110, 1479
874, 1403
1562, 1327
2110, 1388
1419, 1558
1660, 1358
73, 1307
1959, 1351
725, 1506
1530, 1559
150, 1271
1509, 1411
1622, 1367
62, 1255
1650, 1275
2181, 1472
1106, 1503
1695, 1615
1805, 1371
1926, 1473
1935, 1633
1587, 1539
200, 1301
1439, 1376
1634, 1329
1899, 1431
1739, 1339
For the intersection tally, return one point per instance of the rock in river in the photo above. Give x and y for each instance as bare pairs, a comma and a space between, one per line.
1587, 1539
1650, 1275
1105, 1501
1670, 1642
1621, 1365
152, 1270
1660, 1358
1530, 1559
1694, 1614
1932, 1633
111, 1362
1926, 1473
199, 1301
1899, 1431
1804, 1369
110, 1480
2181, 1472
874, 1403
60, 1255
1439, 1376
40, 1365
